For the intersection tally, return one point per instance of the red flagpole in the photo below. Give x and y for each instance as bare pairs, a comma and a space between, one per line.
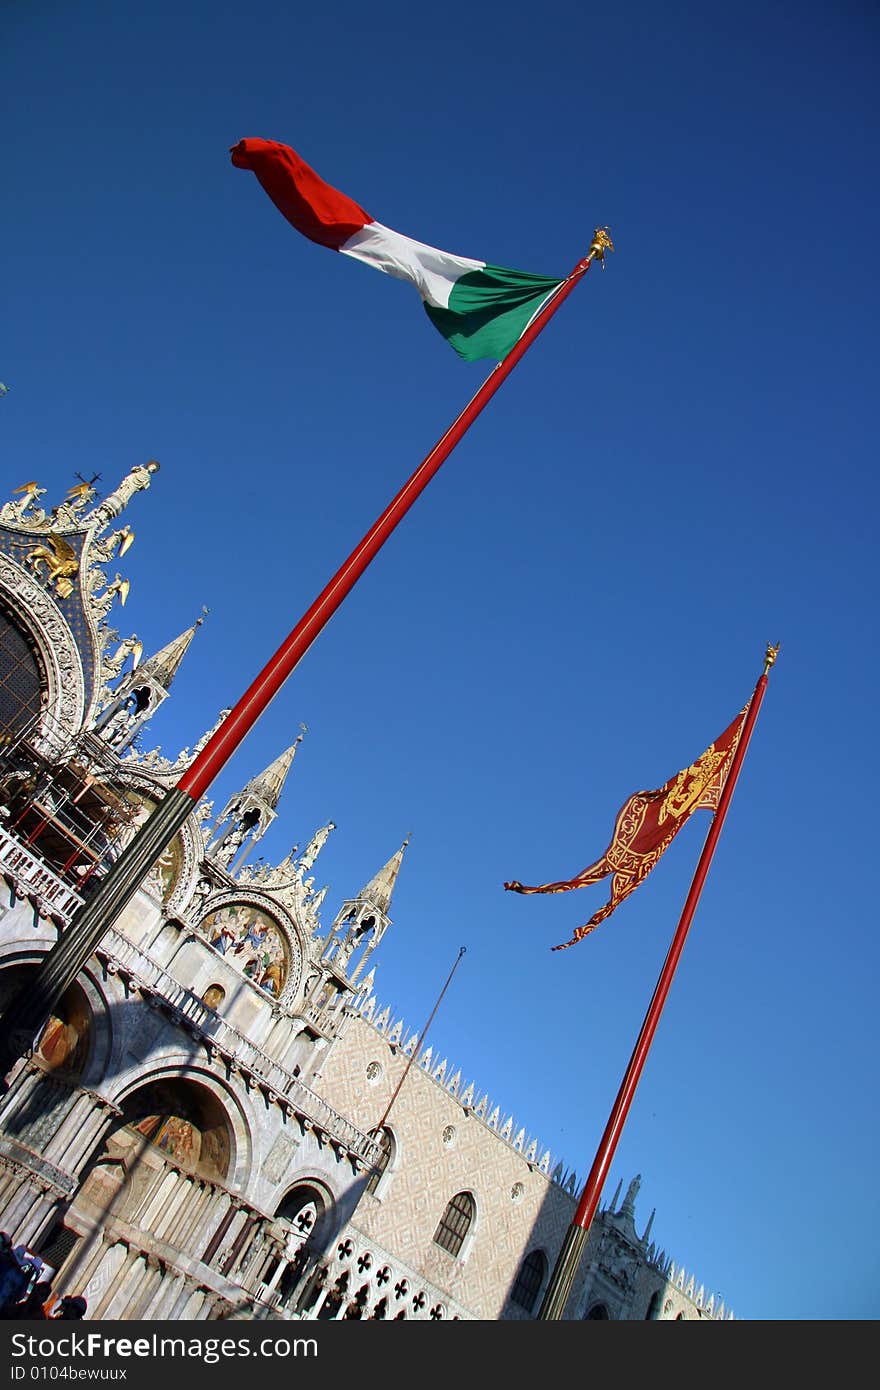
562, 1278
244, 715
27, 1013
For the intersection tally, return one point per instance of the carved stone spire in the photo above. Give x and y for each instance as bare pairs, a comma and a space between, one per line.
251, 811
209, 733
142, 692
362, 921
315, 845
164, 665
268, 785
628, 1210
136, 480
380, 887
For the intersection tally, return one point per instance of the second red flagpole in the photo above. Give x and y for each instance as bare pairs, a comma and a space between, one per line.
565, 1269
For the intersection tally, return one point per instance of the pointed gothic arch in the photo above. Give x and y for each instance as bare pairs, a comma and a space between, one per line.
598, 1313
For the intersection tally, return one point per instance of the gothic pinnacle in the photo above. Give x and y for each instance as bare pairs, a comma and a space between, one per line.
269, 784
380, 887
164, 665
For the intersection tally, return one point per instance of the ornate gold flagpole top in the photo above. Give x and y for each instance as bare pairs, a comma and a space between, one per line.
770, 656
600, 244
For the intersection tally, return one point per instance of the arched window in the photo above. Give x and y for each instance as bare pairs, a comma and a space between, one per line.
455, 1223
304, 1208
214, 996
598, 1313
64, 1043
385, 1140
653, 1307
529, 1280
180, 1118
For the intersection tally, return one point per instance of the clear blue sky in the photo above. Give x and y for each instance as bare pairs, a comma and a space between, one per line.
682, 469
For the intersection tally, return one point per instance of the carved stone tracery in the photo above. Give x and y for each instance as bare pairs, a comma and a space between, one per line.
36, 612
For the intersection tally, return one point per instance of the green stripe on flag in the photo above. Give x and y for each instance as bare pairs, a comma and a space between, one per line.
489, 310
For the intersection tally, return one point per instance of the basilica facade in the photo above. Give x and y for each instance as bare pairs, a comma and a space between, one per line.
220, 1119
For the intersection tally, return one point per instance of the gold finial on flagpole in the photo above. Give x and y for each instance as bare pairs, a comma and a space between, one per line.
600, 244
770, 656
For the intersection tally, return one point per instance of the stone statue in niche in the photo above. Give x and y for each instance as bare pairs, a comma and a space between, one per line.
201, 893
315, 845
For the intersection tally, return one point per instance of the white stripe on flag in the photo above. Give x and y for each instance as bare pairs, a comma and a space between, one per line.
432, 272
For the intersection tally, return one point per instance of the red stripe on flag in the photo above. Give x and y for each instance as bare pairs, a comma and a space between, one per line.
320, 212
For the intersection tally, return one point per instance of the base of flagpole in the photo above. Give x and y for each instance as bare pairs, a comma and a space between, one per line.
562, 1278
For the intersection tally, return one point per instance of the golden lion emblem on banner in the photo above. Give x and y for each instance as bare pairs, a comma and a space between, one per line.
690, 784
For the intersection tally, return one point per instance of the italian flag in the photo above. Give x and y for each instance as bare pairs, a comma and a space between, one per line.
482, 310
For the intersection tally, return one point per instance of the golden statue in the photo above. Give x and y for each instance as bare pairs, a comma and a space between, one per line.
30, 490
770, 656
80, 494
119, 586
61, 561
111, 666
25, 512
600, 244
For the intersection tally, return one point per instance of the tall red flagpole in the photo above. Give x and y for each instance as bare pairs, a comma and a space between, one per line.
565, 1269
27, 1013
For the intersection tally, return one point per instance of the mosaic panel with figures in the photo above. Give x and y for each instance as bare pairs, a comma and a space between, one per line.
251, 941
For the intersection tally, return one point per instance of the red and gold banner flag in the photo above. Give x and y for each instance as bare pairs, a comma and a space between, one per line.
646, 826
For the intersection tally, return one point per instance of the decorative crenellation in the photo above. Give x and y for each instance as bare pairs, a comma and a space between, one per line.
449, 1079
678, 1277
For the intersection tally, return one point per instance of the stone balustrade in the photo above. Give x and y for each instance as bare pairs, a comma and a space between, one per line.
32, 877
191, 1012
